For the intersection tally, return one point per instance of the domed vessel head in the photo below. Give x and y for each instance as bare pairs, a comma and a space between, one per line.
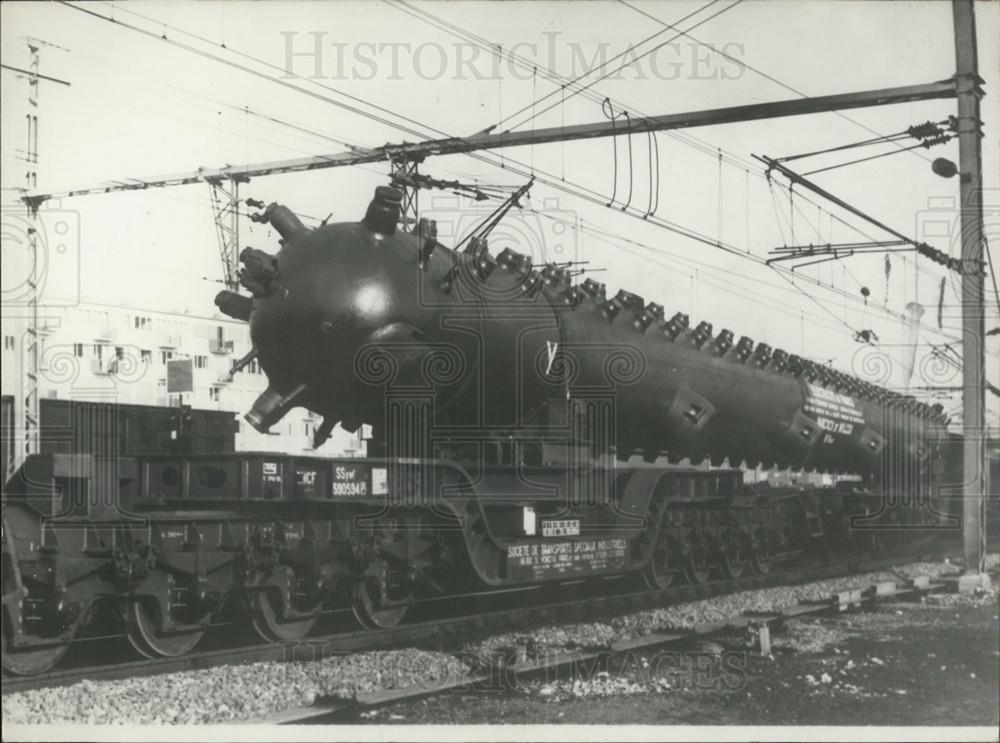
326, 294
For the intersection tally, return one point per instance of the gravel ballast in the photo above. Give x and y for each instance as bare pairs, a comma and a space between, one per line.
252, 691
228, 693
591, 635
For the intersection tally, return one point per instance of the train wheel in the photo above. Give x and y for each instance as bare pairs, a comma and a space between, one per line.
371, 616
658, 573
28, 661
698, 567
761, 553
733, 558
271, 626
145, 636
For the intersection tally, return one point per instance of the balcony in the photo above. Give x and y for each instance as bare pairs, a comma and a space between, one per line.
216, 345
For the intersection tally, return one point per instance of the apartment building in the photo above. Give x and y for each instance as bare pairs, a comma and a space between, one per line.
96, 352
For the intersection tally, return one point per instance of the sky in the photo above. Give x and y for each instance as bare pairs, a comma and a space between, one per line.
240, 82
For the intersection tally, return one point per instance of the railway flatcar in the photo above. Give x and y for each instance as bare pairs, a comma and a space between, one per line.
527, 430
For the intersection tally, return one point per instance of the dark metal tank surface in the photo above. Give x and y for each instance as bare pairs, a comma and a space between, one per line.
346, 315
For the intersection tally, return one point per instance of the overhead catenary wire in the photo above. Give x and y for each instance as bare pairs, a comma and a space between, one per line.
562, 82
715, 50
653, 146
628, 64
609, 113
928, 131
631, 174
577, 90
732, 287
872, 157
573, 189
685, 138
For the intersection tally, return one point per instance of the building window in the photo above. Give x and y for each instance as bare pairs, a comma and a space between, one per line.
8, 343
201, 362
165, 356
78, 350
213, 394
145, 356
119, 353
142, 323
98, 351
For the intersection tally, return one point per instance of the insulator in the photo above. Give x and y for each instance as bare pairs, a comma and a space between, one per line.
744, 348
809, 370
723, 342
762, 354
701, 334
656, 310
594, 289
629, 300
676, 325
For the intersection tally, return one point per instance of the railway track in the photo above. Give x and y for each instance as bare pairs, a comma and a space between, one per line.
449, 632
512, 671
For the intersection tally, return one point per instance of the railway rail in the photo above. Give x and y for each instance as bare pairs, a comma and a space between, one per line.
452, 630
